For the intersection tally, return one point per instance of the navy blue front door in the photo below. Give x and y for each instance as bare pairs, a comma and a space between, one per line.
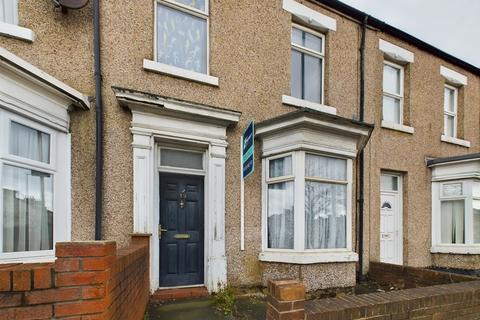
181, 228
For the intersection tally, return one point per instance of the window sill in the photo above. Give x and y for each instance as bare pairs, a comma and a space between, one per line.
397, 127
13, 31
179, 72
292, 101
308, 257
27, 257
456, 249
452, 140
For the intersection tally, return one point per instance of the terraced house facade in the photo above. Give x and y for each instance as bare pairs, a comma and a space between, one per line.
367, 139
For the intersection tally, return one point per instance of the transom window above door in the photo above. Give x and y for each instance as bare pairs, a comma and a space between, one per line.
182, 34
307, 64
176, 159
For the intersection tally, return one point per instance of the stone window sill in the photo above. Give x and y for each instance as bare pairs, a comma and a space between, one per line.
179, 72
308, 257
13, 31
292, 101
452, 140
456, 249
397, 127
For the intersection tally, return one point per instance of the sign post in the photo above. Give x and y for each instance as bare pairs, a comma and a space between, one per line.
247, 167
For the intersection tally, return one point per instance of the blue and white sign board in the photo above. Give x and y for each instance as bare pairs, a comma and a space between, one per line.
247, 150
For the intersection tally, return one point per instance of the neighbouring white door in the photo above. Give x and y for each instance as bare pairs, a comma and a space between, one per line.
391, 219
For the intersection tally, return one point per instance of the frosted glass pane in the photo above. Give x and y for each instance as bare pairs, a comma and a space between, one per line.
391, 109
449, 100
280, 167
280, 215
325, 215
27, 210
29, 143
197, 4
453, 222
325, 167
388, 183
296, 74
450, 126
181, 39
312, 78
297, 36
391, 79
181, 159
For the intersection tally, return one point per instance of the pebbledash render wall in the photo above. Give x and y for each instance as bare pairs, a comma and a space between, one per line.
250, 54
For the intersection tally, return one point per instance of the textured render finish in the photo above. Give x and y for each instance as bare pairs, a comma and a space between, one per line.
456, 261
63, 49
250, 54
321, 276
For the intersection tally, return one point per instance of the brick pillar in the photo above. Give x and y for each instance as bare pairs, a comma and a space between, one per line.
85, 267
286, 300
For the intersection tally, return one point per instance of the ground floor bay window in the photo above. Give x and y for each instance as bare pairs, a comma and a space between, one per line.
456, 205
307, 188
34, 160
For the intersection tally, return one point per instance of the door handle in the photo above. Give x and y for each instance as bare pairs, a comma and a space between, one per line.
160, 230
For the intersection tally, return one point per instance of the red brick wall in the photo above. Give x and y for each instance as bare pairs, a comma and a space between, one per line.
89, 280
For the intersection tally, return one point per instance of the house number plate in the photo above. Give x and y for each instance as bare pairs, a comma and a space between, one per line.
182, 236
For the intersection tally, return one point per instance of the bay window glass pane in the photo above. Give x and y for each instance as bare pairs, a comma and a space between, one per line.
280, 167
476, 189
453, 222
181, 39
8, 11
197, 4
476, 221
29, 143
325, 167
325, 215
391, 79
449, 125
391, 109
181, 159
449, 100
280, 215
27, 210
452, 189
388, 183
312, 72
296, 81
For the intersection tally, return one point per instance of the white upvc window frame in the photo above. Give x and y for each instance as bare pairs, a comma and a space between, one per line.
299, 254
453, 114
12, 29
467, 196
313, 53
156, 66
392, 94
61, 207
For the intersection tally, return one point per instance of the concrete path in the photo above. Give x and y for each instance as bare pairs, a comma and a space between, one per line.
246, 307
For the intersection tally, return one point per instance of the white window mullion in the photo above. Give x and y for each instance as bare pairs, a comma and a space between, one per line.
468, 213
349, 204
1, 201
299, 200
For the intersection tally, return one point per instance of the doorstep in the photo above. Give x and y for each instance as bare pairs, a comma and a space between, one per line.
179, 293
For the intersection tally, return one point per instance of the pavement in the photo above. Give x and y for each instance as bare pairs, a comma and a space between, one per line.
250, 307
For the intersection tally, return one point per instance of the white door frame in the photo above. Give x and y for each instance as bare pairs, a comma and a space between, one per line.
159, 119
399, 216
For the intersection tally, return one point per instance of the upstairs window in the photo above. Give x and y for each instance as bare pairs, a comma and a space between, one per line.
392, 93
9, 11
307, 64
450, 111
182, 34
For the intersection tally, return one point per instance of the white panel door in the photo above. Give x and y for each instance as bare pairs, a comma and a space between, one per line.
391, 236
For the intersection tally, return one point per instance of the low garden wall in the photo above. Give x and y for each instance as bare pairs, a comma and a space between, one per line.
88, 280
286, 300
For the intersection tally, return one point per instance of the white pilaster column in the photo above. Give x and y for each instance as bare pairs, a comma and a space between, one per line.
216, 260
142, 181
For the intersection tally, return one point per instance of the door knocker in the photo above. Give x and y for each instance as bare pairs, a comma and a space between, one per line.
183, 197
